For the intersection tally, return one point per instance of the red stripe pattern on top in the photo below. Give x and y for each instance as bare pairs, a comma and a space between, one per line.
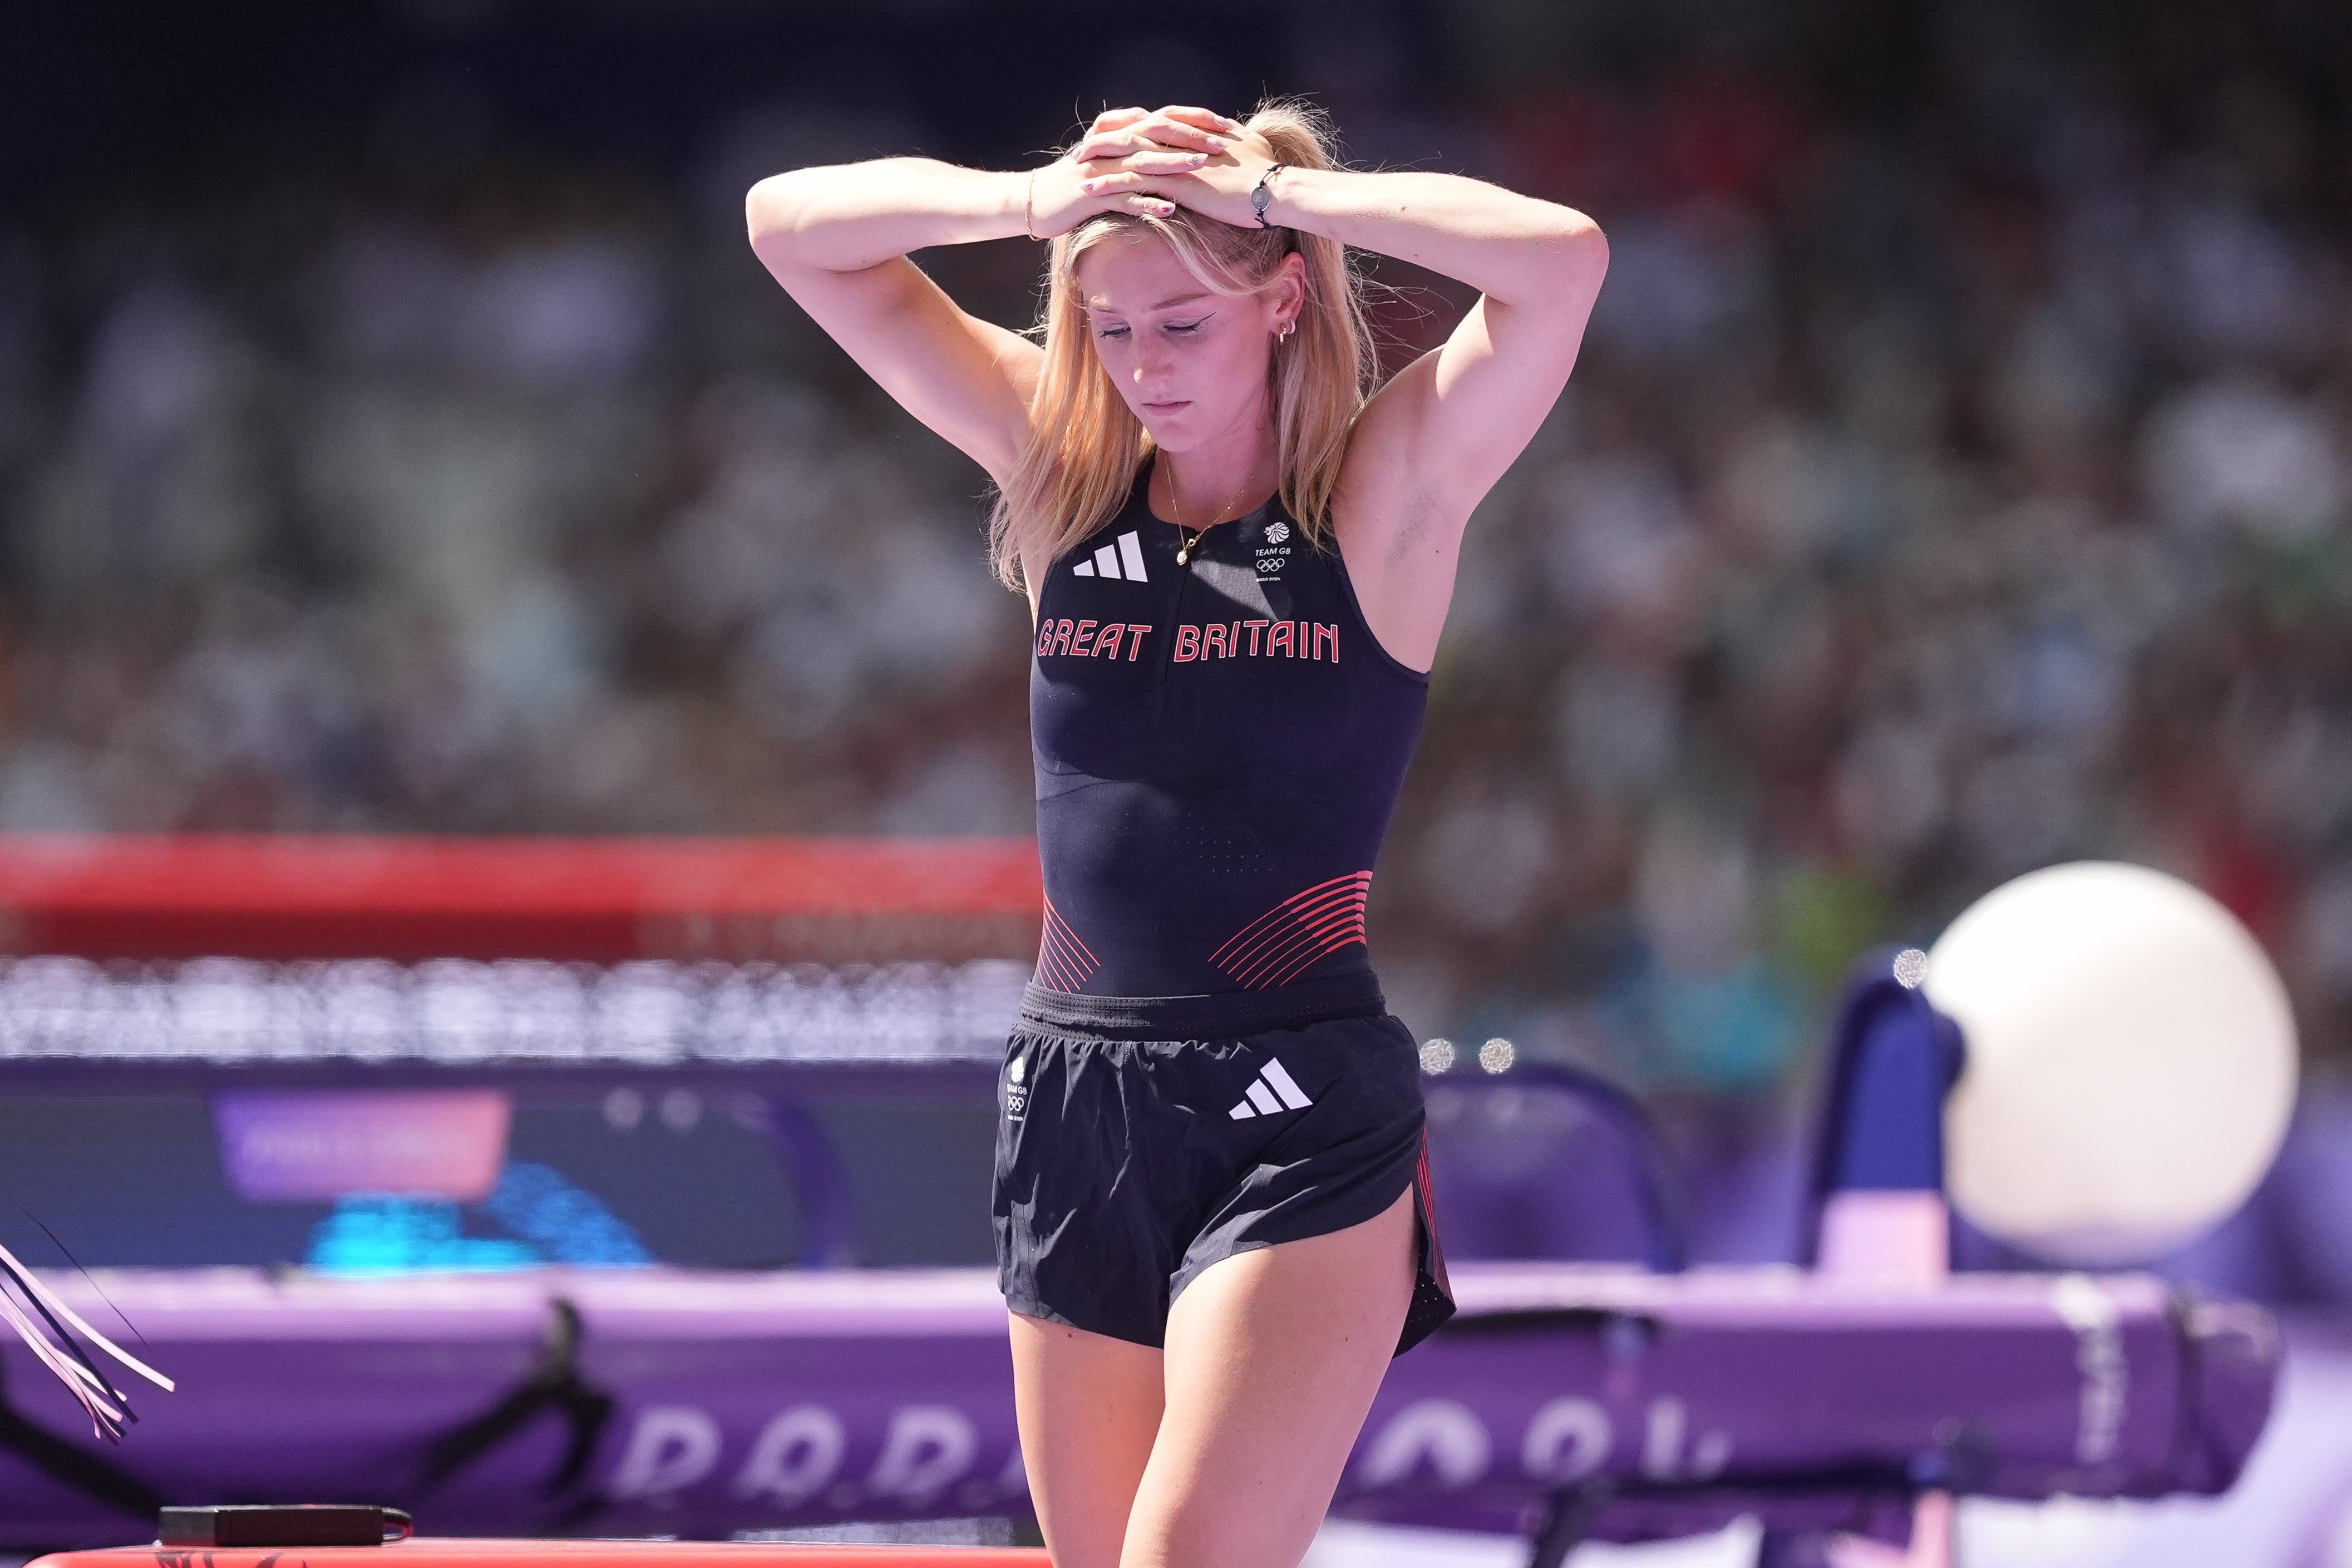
1289, 939
1064, 962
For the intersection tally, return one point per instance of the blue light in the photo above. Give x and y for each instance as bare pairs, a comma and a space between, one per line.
385, 1233
389, 1233
567, 1225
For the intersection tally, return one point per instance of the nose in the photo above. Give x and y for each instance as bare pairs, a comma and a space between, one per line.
1150, 364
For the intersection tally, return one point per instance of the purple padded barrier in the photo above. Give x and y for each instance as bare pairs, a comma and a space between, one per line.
702, 1404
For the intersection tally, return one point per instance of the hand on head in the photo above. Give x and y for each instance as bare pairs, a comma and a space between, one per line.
1152, 161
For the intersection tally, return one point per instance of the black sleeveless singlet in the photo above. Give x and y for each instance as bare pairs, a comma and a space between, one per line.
1219, 747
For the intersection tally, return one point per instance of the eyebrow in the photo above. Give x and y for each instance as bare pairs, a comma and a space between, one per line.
1163, 305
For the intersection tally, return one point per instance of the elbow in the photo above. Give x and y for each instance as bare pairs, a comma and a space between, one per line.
768, 209
1583, 248
783, 208
1561, 267
1575, 260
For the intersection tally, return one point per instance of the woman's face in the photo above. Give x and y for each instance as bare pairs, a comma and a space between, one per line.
1192, 363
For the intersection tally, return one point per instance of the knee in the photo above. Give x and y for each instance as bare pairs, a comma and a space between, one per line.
1249, 1529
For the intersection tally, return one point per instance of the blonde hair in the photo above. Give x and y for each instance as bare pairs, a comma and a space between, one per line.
1078, 461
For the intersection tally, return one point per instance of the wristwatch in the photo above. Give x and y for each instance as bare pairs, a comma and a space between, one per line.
1260, 198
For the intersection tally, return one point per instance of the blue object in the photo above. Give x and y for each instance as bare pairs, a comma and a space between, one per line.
390, 1232
1506, 1171
819, 1182
386, 1233
566, 1223
1893, 1058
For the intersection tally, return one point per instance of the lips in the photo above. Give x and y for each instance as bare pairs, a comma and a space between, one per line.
1167, 407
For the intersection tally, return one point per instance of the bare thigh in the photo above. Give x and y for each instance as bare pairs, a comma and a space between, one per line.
1089, 1407
1272, 1361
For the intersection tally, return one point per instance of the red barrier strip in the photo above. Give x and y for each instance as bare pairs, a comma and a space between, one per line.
599, 900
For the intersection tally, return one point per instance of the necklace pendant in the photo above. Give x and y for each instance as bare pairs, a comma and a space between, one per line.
1185, 555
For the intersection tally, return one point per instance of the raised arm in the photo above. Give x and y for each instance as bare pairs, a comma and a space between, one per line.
837, 239
1462, 414
1437, 436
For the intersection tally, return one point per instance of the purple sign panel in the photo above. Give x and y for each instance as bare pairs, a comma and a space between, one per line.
317, 1145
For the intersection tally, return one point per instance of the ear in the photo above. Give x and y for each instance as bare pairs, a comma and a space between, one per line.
1288, 291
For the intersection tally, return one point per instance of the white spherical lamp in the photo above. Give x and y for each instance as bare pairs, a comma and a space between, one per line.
2131, 1062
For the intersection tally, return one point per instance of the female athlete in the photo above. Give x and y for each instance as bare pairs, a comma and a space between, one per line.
1212, 1212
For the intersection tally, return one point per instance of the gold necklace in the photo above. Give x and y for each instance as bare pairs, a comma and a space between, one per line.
1175, 515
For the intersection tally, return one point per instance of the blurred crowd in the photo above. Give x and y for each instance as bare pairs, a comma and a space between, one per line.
1945, 492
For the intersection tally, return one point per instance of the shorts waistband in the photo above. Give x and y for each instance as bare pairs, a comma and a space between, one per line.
1225, 1015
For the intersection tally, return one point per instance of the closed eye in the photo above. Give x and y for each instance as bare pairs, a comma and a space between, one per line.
1110, 329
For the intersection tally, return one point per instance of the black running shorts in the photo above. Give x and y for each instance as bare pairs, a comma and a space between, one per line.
1142, 1139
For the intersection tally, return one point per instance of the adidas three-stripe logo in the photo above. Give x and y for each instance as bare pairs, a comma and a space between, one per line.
1272, 1092
1122, 560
